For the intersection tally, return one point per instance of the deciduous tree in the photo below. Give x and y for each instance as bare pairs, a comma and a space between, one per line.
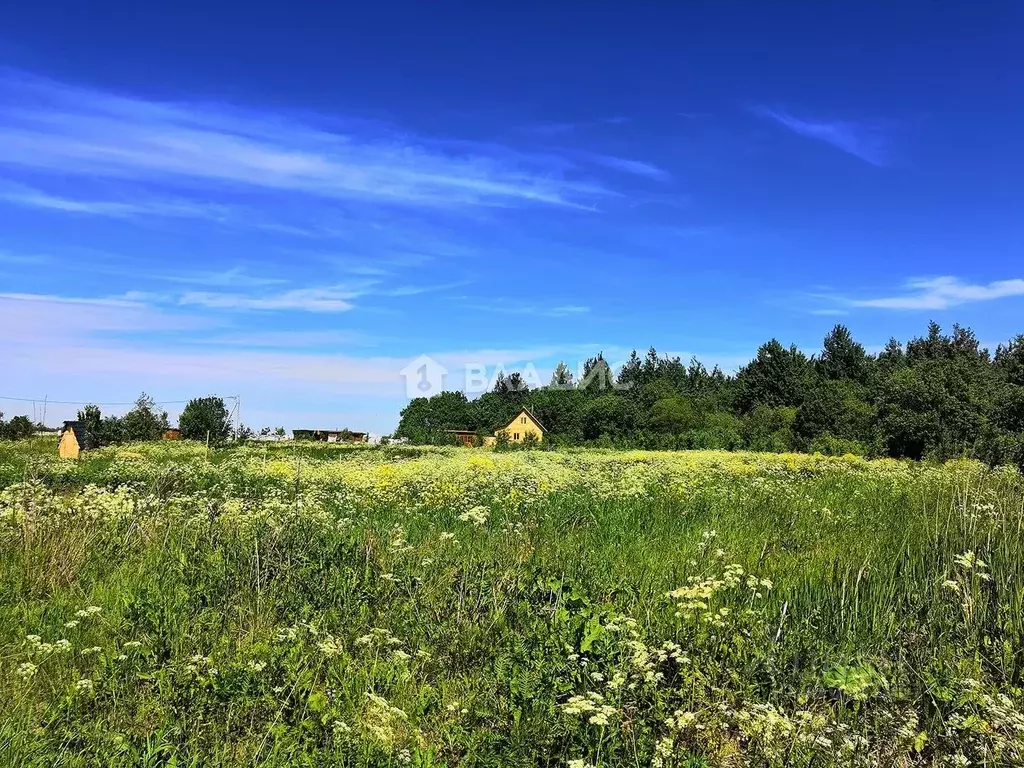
204, 416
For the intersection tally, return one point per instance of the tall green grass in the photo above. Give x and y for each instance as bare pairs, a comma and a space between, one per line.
248, 620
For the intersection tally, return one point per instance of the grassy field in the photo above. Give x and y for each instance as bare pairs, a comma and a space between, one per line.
311, 605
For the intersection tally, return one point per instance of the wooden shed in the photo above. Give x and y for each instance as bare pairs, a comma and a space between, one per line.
74, 439
464, 436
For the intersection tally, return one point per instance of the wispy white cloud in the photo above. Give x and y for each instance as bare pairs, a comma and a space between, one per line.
566, 310
635, 167
289, 339
229, 278
537, 310
416, 290
942, 293
55, 128
366, 270
829, 312
335, 298
381, 263
6, 257
29, 197
42, 320
247, 293
862, 140
330, 298
128, 301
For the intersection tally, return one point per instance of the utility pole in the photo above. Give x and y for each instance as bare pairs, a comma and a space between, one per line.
236, 413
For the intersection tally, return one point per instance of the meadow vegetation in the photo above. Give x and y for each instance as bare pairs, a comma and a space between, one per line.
309, 605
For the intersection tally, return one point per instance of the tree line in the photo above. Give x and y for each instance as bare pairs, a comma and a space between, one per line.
202, 418
937, 396
17, 428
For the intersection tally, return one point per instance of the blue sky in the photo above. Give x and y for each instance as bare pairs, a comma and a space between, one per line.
291, 201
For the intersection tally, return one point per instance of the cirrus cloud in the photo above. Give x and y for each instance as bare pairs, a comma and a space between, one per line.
51, 127
943, 293
931, 293
862, 140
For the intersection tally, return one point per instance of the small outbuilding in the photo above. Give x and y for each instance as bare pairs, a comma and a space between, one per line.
74, 439
331, 435
464, 436
172, 434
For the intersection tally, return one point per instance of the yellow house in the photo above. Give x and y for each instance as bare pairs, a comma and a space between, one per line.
74, 439
525, 423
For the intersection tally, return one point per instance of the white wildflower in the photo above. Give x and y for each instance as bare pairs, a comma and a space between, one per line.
26, 670
477, 515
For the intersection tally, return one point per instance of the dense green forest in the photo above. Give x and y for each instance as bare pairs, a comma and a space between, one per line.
937, 396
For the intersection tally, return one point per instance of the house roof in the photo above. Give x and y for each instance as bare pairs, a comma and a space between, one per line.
529, 413
86, 439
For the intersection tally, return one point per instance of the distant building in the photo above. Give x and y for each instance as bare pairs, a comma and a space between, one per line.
331, 435
517, 430
525, 423
74, 439
172, 434
465, 436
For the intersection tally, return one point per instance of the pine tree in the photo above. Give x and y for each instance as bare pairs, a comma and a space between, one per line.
562, 377
843, 359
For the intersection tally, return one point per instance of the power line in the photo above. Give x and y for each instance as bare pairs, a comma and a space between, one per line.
84, 402
235, 410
